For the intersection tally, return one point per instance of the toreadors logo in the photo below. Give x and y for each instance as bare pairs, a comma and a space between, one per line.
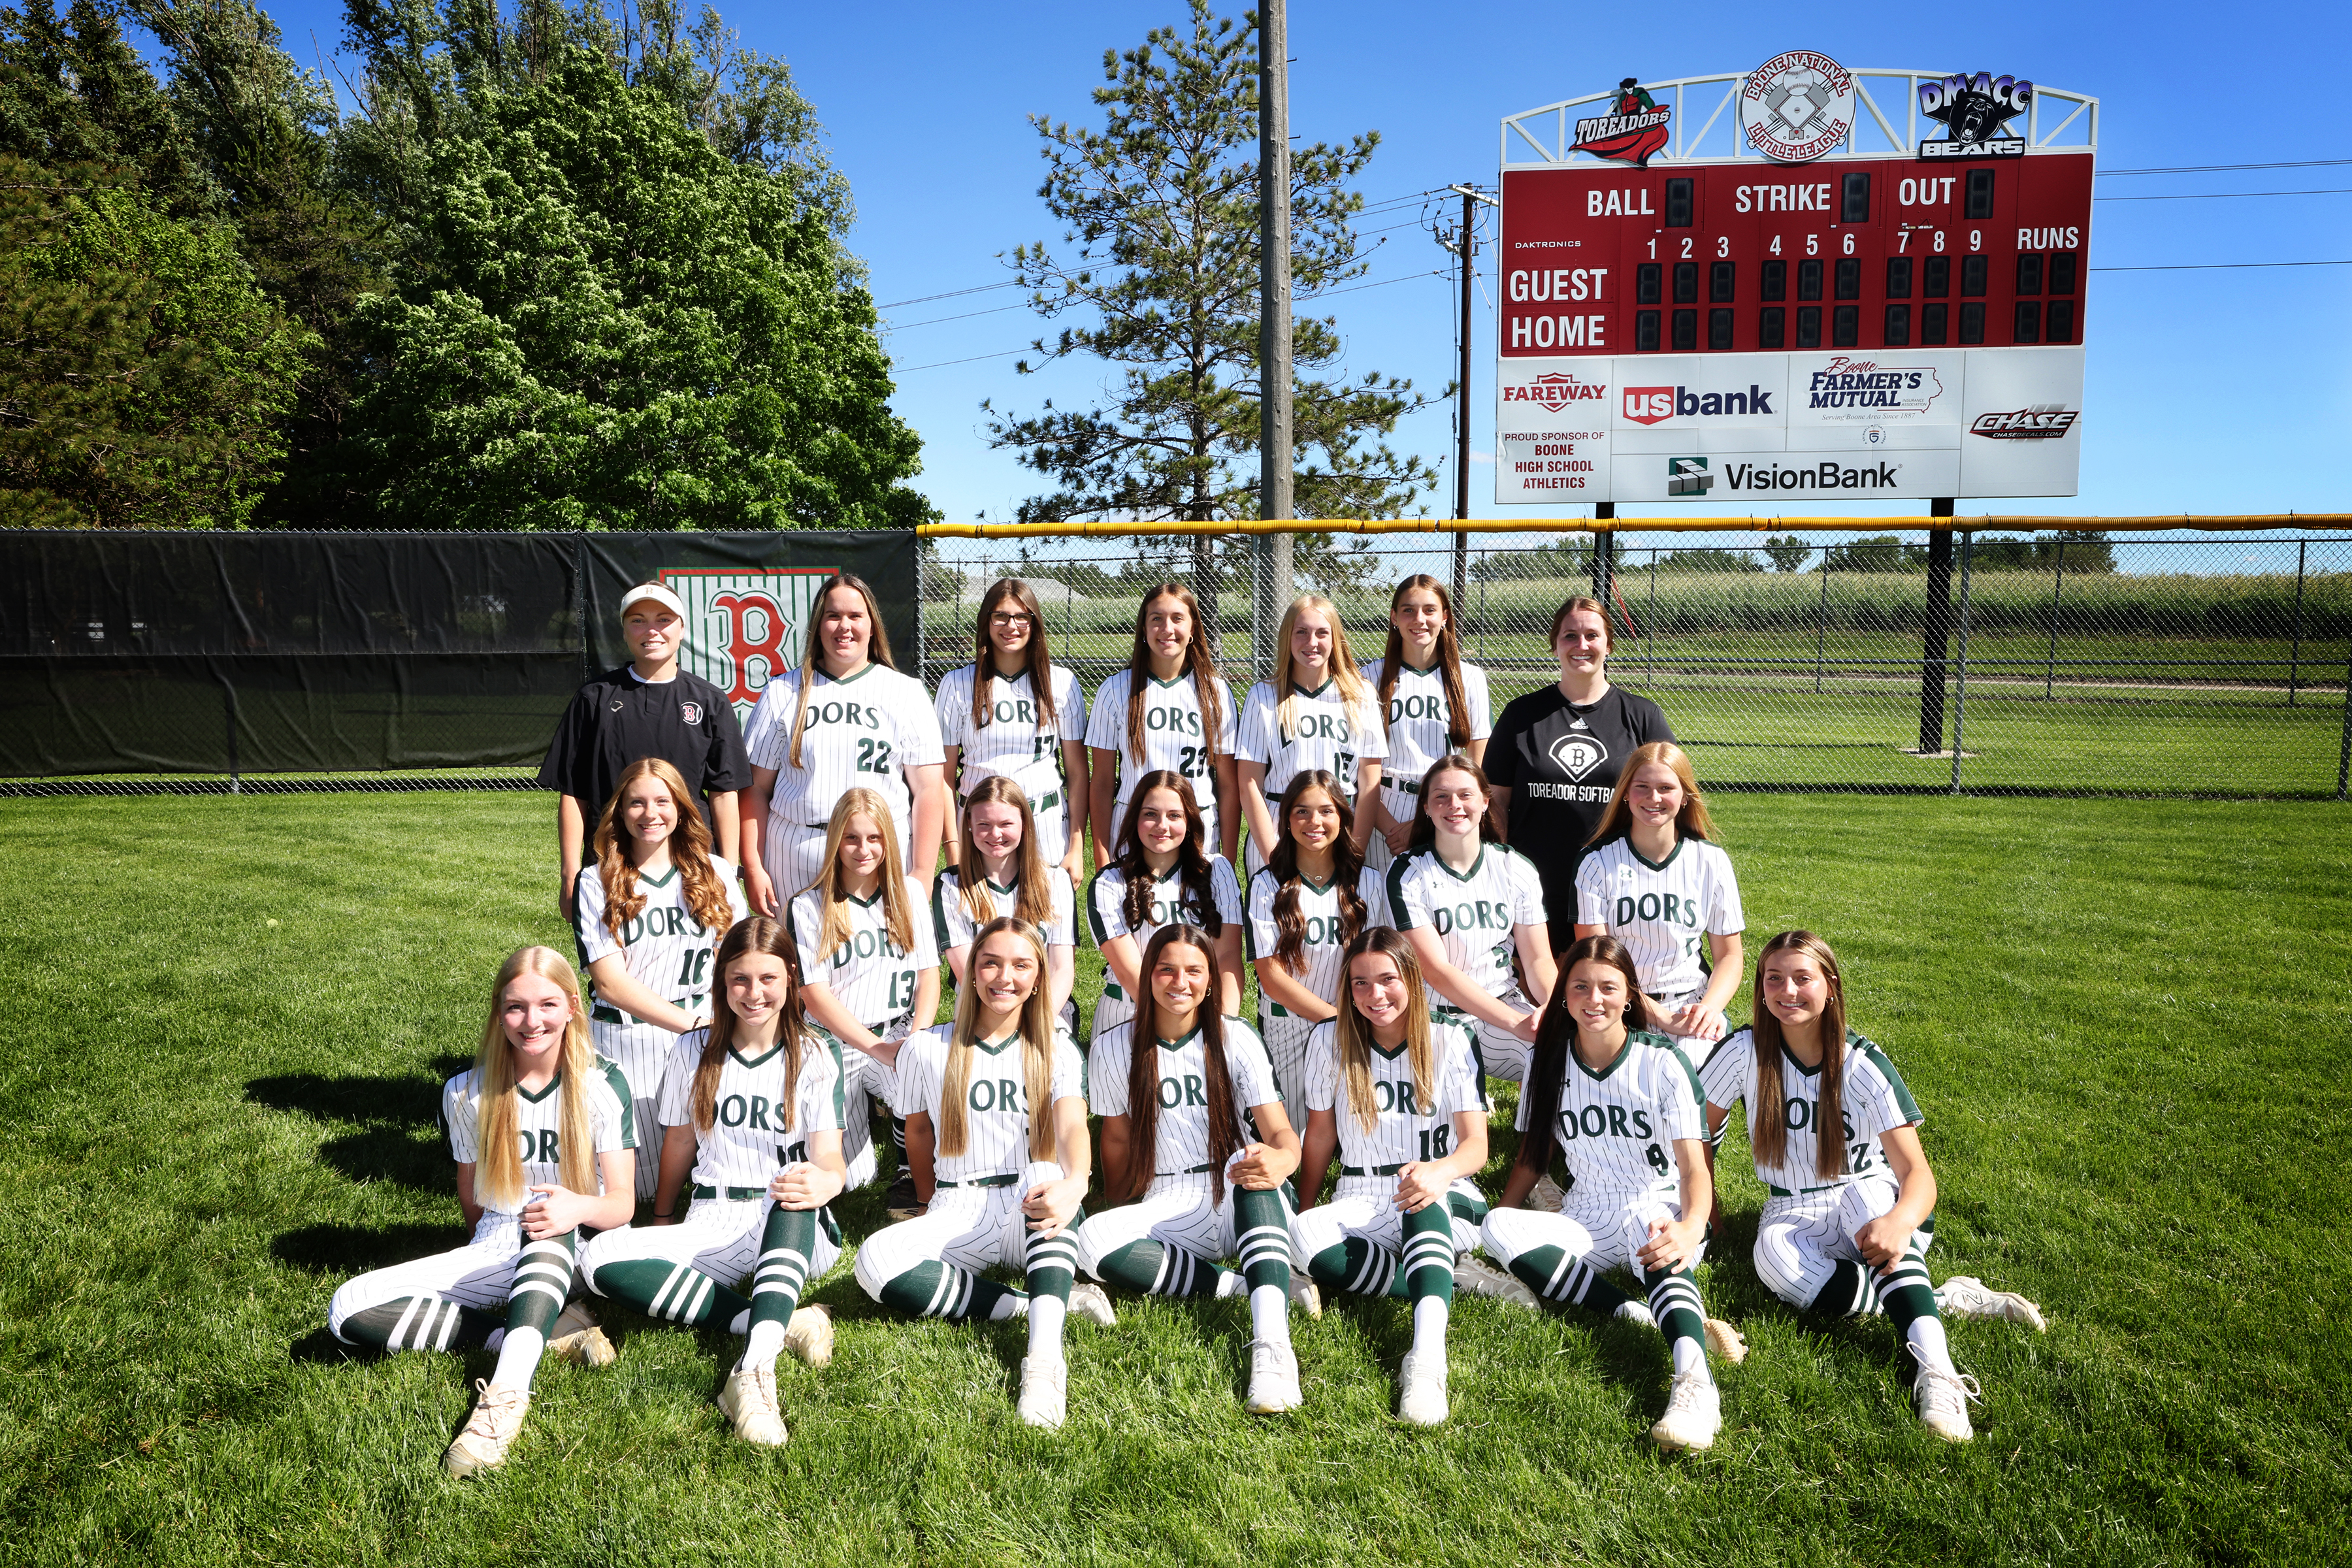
2043, 422
1650, 405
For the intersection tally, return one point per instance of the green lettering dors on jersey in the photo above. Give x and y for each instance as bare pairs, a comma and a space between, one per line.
756, 1111
864, 945
1861, 1155
674, 920
1398, 1097
1481, 914
1319, 725
1187, 1090
1663, 907
1322, 930
851, 715
1172, 720
538, 1148
1425, 705
1000, 1094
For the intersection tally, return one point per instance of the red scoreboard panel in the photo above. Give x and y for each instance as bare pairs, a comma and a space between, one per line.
1855, 253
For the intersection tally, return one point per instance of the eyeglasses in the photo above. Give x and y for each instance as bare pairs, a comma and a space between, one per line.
1009, 618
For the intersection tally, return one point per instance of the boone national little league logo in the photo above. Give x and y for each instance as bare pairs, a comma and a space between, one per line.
1797, 107
744, 628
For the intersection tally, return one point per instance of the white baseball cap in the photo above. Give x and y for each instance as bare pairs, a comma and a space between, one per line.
658, 594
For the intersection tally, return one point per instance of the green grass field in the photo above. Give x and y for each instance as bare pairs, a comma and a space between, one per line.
2125, 1021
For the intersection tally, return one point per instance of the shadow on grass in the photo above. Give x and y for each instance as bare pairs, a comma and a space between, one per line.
354, 1249
399, 1118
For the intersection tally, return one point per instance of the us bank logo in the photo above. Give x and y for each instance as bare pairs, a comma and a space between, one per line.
745, 628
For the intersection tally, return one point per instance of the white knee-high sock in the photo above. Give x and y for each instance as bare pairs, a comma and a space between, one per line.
1690, 1356
767, 1341
1429, 1315
1928, 1333
1045, 1315
518, 1358
1270, 1313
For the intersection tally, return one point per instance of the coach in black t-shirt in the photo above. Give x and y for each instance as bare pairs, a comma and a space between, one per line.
1556, 753
647, 708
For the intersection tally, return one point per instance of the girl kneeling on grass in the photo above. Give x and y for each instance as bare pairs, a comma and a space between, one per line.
1001, 869
752, 1105
544, 1144
1193, 1123
1164, 872
1395, 1094
996, 1138
1624, 1106
1845, 1228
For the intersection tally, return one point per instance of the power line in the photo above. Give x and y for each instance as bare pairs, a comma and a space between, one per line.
950, 294
966, 316
2219, 266
2231, 168
2226, 195
935, 364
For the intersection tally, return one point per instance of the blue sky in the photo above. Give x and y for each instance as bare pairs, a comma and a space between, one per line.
2208, 391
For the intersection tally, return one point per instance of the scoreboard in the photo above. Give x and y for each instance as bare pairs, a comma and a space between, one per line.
1815, 322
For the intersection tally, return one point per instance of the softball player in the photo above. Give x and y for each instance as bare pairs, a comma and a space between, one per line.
1317, 712
869, 972
1624, 1106
751, 1105
1177, 1121
1162, 873
1846, 1226
1470, 903
1308, 905
845, 719
996, 1132
1395, 1093
1013, 713
650, 911
542, 1133
1002, 871
1434, 705
1655, 880
1170, 709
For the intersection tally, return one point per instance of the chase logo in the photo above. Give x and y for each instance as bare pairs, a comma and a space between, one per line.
1688, 477
1578, 754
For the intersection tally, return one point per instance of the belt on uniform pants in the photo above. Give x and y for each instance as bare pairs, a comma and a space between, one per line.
1375, 1170
982, 1181
698, 1193
1785, 1193
1110, 989
1402, 786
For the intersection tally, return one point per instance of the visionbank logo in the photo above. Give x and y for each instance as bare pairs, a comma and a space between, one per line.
1826, 475
1651, 405
744, 627
1688, 477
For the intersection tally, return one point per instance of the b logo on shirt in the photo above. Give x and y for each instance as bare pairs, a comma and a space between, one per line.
1578, 753
690, 712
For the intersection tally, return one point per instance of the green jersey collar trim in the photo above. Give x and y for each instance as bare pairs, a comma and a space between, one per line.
1314, 692
868, 901
1615, 1062
1180, 678
763, 1059
553, 1085
1656, 865
1177, 1045
996, 1047
871, 666
1476, 861
650, 880
1385, 1054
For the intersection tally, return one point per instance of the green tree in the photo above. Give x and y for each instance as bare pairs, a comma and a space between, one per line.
74, 95
1877, 552
1789, 551
1161, 214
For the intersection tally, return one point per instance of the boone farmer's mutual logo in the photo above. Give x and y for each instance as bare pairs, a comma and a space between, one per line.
1797, 107
1861, 384
744, 627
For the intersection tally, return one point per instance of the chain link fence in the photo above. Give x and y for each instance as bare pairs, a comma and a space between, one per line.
2196, 665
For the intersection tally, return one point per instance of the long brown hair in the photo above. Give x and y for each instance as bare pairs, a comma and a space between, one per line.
1355, 1036
1200, 664
1424, 826
983, 656
1347, 864
689, 853
1449, 659
1584, 602
1354, 695
833, 894
1143, 1072
758, 934
1033, 900
498, 1162
1556, 1037
1691, 821
877, 645
1768, 1095
1037, 1026
1197, 892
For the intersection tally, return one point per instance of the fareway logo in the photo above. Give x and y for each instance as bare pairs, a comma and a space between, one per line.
1821, 476
1555, 392
1649, 405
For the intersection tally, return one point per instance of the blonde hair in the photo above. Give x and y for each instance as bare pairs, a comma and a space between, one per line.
755, 933
498, 1168
1037, 1026
833, 895
1691, 821
1033, 900
877, 645
1363, 707
1355, 1036
705, 895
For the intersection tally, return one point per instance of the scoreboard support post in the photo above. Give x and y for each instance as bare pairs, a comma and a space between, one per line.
1935, 653
1604, 558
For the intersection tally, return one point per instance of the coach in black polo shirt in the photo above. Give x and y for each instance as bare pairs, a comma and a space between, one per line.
1556, 753
647, 708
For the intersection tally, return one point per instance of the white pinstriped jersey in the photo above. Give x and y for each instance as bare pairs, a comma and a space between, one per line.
1318, 908
1016, 741
868, 973
1617, 1127
663, 946
1662, 911
748, 1142
862, 731
1180, 1139
1475, 913
1171, 739
951, 920
996, 1098
538, 1123
1418, 716
1106, 902
1404, 1129
1874, 1095
1322, 734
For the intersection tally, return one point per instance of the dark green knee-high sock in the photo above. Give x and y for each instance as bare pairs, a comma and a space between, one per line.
1151, 1268
542, 1282
1051, 1261
674, 1292
424, 1322
777, 1280
1565, 1280
1675, 1303
1262, 1237
1428, 1265
939, 1290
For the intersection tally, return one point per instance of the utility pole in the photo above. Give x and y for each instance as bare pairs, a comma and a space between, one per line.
1468, 251
1936, 632
1273, 323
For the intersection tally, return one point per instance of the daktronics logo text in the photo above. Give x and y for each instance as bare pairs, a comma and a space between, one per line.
2039, 424
1823, 477
1557, 391
1649, 405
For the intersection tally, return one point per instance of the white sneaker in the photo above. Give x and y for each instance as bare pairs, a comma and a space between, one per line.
574, 1337
1421, 1390
1480, 1277
1087, 1301
1634, 1311
1305, 1294
1045, 1391
496, 1418
748, 1400
809, 1335
1724, 1343
1966, 1296
1944, 1398
1694, 1413
1274, 1379
1547, 1195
